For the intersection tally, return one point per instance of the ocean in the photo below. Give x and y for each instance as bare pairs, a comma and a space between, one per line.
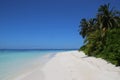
14, 62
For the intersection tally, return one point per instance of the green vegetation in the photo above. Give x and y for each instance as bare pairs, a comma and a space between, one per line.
102, 35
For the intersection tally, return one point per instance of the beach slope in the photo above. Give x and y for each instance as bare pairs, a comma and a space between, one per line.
74, 65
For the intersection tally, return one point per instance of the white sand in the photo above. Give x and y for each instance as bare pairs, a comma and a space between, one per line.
74, 65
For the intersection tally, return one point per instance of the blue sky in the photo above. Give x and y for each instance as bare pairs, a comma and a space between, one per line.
31, 24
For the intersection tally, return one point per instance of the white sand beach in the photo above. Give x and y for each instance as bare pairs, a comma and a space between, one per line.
73, 65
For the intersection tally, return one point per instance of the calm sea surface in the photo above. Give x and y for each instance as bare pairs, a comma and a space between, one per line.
13, 62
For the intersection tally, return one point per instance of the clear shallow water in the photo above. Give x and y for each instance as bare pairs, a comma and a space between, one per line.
13, 61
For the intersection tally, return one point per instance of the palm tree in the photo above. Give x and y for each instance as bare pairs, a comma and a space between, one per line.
107, 18
87, 26
94, 30
83, 27
101, 34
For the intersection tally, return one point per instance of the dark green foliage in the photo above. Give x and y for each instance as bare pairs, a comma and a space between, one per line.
102, 35
111, 50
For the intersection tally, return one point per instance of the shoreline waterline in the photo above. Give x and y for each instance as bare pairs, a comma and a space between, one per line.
14, 63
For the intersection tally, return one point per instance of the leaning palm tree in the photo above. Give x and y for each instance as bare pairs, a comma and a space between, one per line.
83, 27
87, 26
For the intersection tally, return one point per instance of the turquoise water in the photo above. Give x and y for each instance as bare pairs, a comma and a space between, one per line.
14, 61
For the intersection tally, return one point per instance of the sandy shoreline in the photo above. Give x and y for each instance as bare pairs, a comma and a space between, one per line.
73, 65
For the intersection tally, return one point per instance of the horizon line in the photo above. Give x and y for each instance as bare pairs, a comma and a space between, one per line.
41, 49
